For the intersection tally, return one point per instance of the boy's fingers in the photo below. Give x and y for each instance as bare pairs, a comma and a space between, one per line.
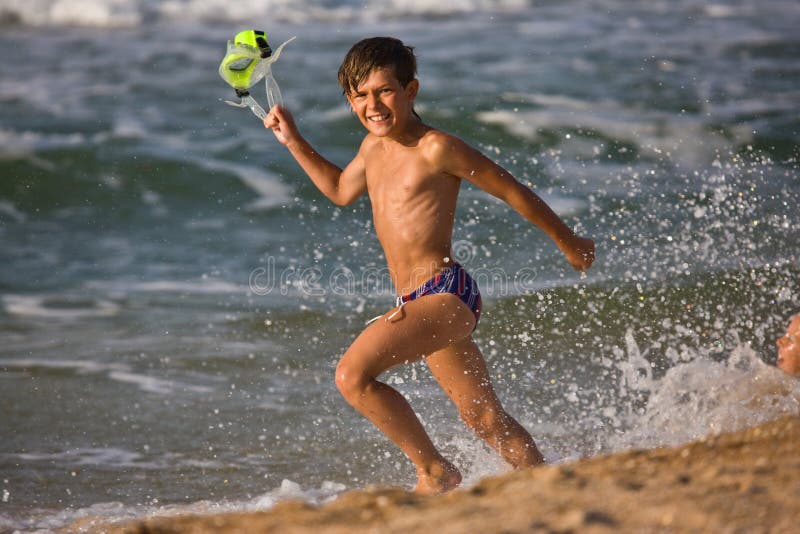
271, 121
277, 111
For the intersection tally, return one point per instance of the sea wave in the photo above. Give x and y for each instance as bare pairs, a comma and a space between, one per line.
125, 13
117, 372
102, 514
63, 307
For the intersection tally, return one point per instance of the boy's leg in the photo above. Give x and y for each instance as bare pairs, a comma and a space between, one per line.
461, 371
423, 326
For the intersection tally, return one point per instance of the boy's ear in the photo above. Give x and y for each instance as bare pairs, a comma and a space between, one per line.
412, 89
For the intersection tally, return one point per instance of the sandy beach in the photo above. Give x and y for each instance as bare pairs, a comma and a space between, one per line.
746, 481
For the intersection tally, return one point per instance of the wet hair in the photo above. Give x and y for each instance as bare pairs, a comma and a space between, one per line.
375, 53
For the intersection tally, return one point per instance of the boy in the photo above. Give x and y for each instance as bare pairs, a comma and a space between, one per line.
412, 173
789, 348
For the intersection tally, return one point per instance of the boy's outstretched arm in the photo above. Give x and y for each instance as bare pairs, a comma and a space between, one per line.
461, 160
342, 187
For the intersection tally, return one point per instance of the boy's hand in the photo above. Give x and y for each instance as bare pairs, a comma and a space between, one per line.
580, 253
281, 122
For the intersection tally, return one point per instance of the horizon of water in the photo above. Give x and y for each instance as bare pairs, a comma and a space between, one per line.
174, 293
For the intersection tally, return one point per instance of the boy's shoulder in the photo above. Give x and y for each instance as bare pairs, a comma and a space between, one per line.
432, 138
438, 145
435, 146
435, 138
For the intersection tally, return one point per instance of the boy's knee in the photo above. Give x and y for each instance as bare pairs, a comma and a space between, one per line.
349, 381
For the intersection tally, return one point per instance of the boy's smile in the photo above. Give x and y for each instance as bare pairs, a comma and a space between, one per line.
382, 104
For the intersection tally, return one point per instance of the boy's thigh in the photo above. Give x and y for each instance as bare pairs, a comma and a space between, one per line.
422, 327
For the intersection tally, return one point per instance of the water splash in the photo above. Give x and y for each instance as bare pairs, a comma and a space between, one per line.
699, 396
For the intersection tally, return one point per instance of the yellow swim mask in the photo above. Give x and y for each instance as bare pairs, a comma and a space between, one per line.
249, 59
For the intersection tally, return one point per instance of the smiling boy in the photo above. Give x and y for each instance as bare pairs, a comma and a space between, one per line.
412, 174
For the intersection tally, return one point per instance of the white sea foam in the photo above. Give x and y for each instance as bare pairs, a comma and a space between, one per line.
701, 396
475, 460
151, 384
9, 211
129, 13
63, 307
101, 514
562, 205
681, 139
85, 456
203, 286
15, 144
97, 13
114, 371
205, 224
80, 366
272, 192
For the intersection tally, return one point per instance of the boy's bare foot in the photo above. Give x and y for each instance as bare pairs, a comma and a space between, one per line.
437, 479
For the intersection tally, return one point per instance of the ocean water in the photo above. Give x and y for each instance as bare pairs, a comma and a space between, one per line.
175, 294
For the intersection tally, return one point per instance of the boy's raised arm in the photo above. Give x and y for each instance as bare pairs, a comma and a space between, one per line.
459, 159
342, 187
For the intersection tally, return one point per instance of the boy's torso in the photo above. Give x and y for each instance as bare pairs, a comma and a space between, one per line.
413, 207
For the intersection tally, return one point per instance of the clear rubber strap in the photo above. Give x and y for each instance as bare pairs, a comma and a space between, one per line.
399, 302
249, 102
274, 97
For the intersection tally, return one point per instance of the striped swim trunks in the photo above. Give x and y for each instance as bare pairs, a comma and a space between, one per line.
453, 280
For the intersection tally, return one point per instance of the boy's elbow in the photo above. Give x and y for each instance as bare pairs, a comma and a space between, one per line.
341, 200
344, 196
347, 201
335, 198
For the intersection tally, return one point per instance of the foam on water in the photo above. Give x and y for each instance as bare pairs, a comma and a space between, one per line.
59, 307
117, 372
15, 144
98, 13
563, 205
203, 286
686, 140
80, 366
699, 396
129, 13
96, 515
80, 457
271, 191
10, 212
151, 384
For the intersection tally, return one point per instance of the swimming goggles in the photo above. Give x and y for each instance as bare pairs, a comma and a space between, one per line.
249, 58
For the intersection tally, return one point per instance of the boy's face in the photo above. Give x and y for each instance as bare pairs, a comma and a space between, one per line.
382, 104
789, 348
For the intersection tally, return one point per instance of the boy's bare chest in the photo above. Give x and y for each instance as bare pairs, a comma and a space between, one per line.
397, 187
396, 179
404, 185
